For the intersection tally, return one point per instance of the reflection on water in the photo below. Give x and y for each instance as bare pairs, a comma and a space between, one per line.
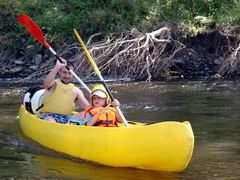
212, 109
65, 168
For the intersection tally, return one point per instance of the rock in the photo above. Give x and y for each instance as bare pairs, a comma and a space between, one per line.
21, 52
19, 62
46, 56
217, 61
30, 47
13, 70
33, 67
206, 68
178, 62
216, 76
25, 72
38, 59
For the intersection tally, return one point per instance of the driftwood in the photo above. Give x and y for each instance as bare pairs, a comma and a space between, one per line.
231, 61
231, 64
130, 54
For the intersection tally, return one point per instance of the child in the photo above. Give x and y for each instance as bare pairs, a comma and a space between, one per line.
100, 113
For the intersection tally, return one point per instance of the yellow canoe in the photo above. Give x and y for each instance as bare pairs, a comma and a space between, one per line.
164, 146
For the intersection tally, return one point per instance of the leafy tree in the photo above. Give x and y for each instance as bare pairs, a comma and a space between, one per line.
59, 17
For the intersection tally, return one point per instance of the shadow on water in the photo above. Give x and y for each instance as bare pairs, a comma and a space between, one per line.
212, 109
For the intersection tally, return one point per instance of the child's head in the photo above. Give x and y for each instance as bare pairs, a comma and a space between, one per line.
99, 96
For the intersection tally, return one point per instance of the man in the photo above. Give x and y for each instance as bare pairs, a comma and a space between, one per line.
61, 95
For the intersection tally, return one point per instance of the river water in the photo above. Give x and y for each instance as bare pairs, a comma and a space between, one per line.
212, 109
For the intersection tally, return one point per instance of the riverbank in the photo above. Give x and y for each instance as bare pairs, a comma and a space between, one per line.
143, 40
138, 56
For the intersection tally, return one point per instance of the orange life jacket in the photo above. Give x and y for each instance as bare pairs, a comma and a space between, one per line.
107, 119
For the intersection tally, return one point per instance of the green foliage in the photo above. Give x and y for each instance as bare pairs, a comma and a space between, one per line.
59, 17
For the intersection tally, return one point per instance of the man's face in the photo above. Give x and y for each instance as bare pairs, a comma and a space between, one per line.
65, 75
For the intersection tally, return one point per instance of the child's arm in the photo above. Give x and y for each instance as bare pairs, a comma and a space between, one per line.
93, 120
114, 104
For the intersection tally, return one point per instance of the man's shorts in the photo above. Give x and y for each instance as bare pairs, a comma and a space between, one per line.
58, 117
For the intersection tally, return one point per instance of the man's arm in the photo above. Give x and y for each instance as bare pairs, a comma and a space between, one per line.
82, 101
49, 81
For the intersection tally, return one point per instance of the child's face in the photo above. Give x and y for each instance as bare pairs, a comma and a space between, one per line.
98, 101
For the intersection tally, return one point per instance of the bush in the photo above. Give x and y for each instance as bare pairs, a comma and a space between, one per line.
59, 17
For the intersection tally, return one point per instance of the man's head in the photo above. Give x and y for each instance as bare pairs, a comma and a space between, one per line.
65, 75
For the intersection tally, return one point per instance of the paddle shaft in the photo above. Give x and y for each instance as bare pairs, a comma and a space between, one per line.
36, 32
96, 69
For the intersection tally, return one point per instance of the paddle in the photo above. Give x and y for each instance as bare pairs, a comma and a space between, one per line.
36, 32
94, 65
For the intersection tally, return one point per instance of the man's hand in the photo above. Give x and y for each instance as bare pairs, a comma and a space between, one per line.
59, 65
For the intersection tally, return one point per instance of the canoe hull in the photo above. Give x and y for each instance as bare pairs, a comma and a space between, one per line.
165, 146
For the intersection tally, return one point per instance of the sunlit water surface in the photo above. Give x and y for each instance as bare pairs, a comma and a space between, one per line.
212, 109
